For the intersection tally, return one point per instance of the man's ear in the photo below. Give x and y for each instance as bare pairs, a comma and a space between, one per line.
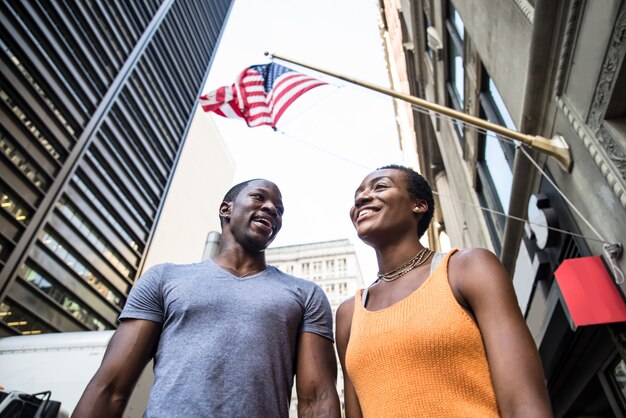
420, 206
225, 209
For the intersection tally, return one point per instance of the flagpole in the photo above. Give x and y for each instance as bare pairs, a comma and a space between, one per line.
555, 147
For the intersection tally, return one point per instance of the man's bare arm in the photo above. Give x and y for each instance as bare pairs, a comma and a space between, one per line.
130, 349
316, 377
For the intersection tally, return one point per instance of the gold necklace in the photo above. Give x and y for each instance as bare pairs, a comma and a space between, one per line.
419, 259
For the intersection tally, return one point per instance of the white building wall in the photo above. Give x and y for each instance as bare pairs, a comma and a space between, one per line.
204, 173
333, 265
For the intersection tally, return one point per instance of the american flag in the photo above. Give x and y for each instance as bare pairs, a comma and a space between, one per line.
260, 95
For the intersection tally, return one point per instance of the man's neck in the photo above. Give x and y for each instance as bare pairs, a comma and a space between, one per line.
238, 261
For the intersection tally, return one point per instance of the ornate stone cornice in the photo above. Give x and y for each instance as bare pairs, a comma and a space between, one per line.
598, 152
569, 34
608, 74
606, 151
613, 148
527, 9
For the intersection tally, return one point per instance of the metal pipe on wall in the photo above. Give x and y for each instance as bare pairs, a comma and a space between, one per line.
525, 175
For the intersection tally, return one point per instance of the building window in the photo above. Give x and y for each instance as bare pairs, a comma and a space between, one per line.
498, 152
306, 269
495, 160
62, 297
116, 189
17, 211
456, 71
341, 265
343, 287
330, 266
29, 125
21, 162
329, 289
501, 115
455, 17
83, 271
102, 209
29, 78
20, 320
95, 238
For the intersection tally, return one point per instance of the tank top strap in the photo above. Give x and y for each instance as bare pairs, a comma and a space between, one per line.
437, 257
363, 295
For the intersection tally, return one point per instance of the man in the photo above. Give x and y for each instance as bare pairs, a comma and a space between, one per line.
226, 334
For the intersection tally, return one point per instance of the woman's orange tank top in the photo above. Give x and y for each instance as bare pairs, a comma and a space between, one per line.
420, 357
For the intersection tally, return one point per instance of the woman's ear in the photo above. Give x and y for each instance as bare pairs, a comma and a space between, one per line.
420, 206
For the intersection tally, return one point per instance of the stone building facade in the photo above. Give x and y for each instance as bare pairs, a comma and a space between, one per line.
541, 67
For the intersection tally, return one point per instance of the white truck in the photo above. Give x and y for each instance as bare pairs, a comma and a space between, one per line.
61, 364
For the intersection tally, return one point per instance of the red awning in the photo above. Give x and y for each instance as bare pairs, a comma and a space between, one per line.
589, 292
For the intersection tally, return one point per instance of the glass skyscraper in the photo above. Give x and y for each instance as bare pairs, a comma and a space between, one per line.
96, 100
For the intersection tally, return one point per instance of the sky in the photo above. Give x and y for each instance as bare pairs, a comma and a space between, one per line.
332, 136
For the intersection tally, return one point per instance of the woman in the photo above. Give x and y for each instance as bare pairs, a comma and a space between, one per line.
451, 343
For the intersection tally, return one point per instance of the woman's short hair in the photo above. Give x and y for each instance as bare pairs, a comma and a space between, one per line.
418, 188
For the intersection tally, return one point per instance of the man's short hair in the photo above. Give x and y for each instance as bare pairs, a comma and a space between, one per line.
418, 188
236, 189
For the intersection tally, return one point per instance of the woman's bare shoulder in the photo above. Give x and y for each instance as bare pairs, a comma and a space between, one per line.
470, 259
475, 270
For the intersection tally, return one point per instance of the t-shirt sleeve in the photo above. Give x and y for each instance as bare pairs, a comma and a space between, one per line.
318, 316
145, 300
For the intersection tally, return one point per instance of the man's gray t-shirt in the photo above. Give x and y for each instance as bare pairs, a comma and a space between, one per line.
228, 344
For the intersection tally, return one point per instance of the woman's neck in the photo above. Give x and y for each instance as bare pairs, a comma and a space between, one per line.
391, 256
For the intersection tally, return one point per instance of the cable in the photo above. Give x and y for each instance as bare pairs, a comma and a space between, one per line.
516, 218
323, 150
571, 205
475, 128
518, 145
612, 251
312, 105
486, 209
468, 125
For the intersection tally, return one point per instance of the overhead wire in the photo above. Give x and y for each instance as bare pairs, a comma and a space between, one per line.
517, 218
435, 192
612, 250
571, 205
312, 105
472, 127
322, 149
527, 155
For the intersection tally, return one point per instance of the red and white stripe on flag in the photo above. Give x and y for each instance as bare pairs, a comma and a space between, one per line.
248, 100
222, 101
